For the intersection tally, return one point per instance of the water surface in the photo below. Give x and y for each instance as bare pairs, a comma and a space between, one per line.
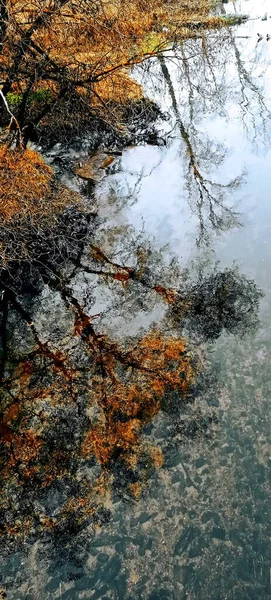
197, 204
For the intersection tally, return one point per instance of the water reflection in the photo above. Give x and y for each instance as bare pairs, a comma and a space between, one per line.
210, 87
224, 300
214, 72
108, 375
206, 196
74, 400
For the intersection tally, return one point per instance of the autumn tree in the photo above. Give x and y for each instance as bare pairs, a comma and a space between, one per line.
61, 59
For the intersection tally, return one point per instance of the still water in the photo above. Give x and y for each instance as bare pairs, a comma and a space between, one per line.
192, 207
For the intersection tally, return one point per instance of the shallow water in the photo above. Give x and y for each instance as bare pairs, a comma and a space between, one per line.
201, 527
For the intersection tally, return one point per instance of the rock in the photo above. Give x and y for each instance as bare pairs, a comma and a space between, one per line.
89, 471
218, 533
94, 167
53, 323
96, 414
187, 538
115, 152
54, 497
21, 340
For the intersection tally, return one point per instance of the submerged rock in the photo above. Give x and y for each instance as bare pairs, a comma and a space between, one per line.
94, 167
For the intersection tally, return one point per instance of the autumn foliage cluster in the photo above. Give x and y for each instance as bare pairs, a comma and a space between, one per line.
48, 434
53, 51
31, 204
24, 183
157, 365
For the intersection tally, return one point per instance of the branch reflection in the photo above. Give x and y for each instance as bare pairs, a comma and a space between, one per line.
74, 399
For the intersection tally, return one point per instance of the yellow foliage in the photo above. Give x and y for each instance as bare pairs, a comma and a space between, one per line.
127, 388
24, 183
95, 43
157, 366
30, 200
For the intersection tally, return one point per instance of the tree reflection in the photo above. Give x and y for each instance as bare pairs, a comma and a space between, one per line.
212, 75
255, 113
224, 300
75, 400
221, 69
206, 196
75, 397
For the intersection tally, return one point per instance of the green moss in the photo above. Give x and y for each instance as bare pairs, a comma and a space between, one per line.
14, 99
40, 96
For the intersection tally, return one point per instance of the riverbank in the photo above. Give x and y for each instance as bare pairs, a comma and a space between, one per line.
106, 114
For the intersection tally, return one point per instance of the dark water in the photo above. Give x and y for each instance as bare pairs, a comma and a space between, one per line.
197, 206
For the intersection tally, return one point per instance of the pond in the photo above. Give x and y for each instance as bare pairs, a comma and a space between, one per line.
169, 499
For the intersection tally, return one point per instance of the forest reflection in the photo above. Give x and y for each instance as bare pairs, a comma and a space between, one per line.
97, 337
209, 75
75, 399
